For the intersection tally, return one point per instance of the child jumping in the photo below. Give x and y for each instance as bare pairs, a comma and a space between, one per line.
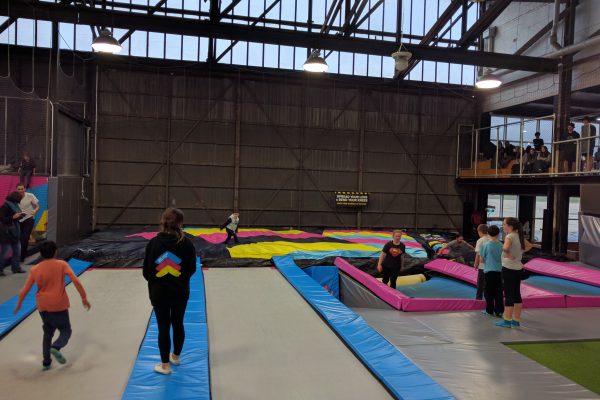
52, 300
231, 227
491, 255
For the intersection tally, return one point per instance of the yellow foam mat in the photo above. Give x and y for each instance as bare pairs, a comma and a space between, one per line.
279, 248
409, 279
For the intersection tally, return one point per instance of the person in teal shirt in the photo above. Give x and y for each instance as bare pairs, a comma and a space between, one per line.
491, 253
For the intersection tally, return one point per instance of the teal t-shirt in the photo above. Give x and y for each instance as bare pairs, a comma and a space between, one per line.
491, 251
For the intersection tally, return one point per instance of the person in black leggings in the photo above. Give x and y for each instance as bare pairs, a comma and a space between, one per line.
169, 263
391, 259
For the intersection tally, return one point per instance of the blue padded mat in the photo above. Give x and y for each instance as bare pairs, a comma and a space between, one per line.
400, 375
8, 320
562, 286
439, 287
191, 379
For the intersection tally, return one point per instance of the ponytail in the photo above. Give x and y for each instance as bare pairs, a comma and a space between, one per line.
171, 221
516, 226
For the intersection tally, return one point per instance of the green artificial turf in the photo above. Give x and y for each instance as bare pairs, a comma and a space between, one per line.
578, 361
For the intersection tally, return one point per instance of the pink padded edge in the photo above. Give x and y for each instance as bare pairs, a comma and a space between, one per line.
391, 296
532, 297
421, 304
563, 270
582, 301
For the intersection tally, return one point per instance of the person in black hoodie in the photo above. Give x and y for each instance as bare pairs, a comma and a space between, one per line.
169, 263
10, 232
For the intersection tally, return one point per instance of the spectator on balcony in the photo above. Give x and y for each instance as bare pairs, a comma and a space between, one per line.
529, 159
568, 151
538, 142
587, 146
510, 151
543, 160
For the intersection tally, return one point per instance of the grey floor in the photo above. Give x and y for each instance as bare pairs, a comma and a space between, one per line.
266, 343
12, 283
101, 352
464, 351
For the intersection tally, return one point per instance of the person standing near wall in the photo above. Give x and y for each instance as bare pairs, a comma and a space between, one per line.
26, 170
29, 205
587, 146
231, 227
568, 151
10, 232
169, 263
482, 231
391, 259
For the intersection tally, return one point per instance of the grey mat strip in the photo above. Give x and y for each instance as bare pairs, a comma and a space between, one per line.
266, 342
101, 352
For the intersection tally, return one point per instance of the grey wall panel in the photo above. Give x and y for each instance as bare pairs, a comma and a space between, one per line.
202, 131
202, 153
331, 160
128, 151
330, 181
268, 157
269, 199
127, 173
374, 182
388, 220
116, 126
259, 178
430, 204
268, 136
389, 162
328, 139
120, 196
202, 176
197, 197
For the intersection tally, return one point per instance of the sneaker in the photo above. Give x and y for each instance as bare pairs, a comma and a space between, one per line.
174, 361
46, 367
159, 369
58, 355
487, 314
516, 324
19, 271
504, 323
499, 315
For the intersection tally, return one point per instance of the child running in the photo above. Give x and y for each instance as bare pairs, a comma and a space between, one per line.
52, 301
482, 231
491, 255
231, 227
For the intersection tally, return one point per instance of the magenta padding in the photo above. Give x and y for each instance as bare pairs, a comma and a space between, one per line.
421, 304
532, 296
582, 301
454, 270
391, 296
558, 269
145, 235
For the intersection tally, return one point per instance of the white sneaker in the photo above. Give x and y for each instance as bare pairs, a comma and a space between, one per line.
159, 368
174, 361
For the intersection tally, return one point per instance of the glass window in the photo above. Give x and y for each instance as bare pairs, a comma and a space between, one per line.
138, 43
25, 32
173, 49
573, 232
83, 40
156, 45
44, 34
540, 206
66, 35
190, 48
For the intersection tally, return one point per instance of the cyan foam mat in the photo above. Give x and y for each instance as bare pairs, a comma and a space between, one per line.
439, 288
8, 320
562, 286
191, 379
401, 377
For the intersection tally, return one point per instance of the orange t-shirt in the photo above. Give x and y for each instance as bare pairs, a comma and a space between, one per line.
49, 276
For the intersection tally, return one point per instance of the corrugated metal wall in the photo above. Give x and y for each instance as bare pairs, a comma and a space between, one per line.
275, 149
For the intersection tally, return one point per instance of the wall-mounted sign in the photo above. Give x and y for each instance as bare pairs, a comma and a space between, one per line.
351, 199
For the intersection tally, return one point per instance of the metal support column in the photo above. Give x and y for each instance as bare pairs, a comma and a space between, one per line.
236, 167
361, 157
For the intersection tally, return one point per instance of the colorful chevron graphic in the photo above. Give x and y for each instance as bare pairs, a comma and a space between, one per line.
168, 263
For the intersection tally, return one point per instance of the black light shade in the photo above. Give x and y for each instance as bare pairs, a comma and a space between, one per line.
106, 43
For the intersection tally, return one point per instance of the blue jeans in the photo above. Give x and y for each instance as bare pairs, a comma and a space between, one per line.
16, 254
53, 321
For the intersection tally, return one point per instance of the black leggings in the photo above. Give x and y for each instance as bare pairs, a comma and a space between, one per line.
168, 316
390, 275
511, 280
493, 293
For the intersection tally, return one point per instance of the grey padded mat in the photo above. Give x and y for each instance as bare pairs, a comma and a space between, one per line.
266, 343
102, 349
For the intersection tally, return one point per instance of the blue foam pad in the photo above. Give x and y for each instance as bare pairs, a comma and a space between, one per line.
563, 286
191, 379
439, 287
400, 375
326, 276
8, 320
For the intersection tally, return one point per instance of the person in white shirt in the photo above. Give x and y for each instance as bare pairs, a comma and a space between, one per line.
30, 205
231, 226
482, 231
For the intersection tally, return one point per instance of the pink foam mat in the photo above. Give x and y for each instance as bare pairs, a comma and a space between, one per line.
582, 301
400, 301
558, 269
532, 296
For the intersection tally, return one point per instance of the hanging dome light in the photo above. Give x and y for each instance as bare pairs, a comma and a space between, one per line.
488, 81
106, 43
315, 63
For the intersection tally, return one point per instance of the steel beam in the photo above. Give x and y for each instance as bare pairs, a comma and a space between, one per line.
164, 24
483, 23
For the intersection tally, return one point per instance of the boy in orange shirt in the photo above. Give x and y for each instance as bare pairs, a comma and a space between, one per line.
52, 300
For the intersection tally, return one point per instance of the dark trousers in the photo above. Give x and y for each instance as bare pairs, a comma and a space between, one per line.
53, 321
493, 293
231, 234
25, 178
167, 316
390, 275
511, 281
26, 228
480, 284
16, 253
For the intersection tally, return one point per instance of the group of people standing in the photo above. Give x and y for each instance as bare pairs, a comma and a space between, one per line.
17, 219
568, 151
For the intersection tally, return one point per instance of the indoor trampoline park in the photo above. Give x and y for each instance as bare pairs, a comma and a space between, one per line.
299, 199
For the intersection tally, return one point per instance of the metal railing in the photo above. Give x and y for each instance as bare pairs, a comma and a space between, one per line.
502, 162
